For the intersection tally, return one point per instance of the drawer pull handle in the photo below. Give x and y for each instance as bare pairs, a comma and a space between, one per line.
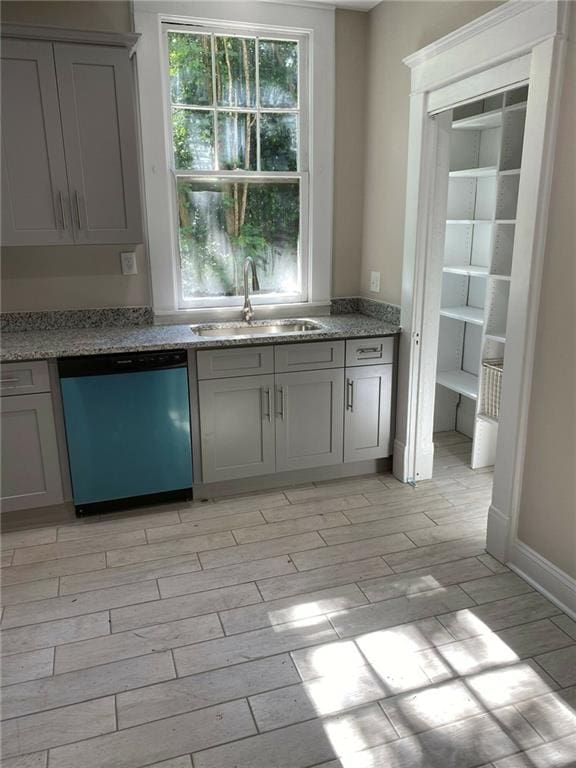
9, 381
368, 350
349, 395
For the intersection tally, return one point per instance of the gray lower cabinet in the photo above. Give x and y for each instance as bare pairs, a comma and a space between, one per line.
367, 433
289, 420
236, 427
309, 418
30, 465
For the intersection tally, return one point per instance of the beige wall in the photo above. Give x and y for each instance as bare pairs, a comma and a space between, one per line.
396, 29
351, 40
105, 15
548, 508
71, 277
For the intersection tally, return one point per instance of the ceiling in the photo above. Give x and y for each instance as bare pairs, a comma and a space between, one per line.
354, 5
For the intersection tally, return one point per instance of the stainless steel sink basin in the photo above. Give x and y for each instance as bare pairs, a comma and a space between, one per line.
256, 329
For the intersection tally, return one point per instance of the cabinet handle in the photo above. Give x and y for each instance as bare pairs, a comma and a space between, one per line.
62, 216
349, 395
368, 350
77, 200
9, 381
268, 412
281, 402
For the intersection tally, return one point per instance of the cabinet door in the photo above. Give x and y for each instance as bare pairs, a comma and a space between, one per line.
368, 412
236, 427
97, 109
309, 419
34, 183
30, 464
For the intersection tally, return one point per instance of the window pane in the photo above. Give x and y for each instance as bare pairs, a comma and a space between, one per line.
278, 142
190, 68
235, 71
278, 73
193, 136
237, 140
223, 222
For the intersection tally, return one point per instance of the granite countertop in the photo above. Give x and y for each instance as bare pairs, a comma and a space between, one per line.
70, 342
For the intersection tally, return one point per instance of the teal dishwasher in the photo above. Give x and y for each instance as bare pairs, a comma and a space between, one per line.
127, 428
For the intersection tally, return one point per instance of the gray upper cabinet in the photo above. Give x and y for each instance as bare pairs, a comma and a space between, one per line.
368, 413
309, 419
69, 158
97, 108
236, 427
35, 203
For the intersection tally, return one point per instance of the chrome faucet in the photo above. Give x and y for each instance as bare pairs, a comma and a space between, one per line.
247, 311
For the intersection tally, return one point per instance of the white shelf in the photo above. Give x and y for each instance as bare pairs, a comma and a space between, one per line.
466, 269
514, 107
512, 172
467, 314
471, 221
459, 381
474, 172
500, 277
495, 337
492, 119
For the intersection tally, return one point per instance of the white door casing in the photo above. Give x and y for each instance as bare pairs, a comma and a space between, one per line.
515, 44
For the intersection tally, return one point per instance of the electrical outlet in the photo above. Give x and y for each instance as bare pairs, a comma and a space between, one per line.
128, 262
375, 282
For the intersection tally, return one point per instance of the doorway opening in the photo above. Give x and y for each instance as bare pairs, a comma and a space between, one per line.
480, 187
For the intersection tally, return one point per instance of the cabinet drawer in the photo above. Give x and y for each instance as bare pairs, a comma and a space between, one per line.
226, 363
309, 356
24, 378
370, 351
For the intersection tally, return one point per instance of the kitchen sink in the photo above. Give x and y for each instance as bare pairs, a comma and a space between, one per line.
257, 328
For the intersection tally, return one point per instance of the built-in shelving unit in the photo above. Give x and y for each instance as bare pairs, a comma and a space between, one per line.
484, 179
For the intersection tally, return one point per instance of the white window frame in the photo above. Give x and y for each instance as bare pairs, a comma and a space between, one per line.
301, 175
314, 29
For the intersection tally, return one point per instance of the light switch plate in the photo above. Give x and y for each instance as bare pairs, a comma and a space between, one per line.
128, 261
375, 282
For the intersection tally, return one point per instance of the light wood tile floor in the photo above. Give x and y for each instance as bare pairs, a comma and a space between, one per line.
349, 624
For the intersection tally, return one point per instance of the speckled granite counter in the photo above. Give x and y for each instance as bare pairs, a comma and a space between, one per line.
43, 345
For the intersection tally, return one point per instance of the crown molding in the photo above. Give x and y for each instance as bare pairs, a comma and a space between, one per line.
59, 35
503, 13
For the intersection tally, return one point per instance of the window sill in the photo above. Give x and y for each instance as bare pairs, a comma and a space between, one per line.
226, 314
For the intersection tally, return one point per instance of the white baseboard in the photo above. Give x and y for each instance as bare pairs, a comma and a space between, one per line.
401, 469
547, 578
399, 463
497, 534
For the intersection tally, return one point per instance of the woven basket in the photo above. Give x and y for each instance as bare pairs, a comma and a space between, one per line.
492, 387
